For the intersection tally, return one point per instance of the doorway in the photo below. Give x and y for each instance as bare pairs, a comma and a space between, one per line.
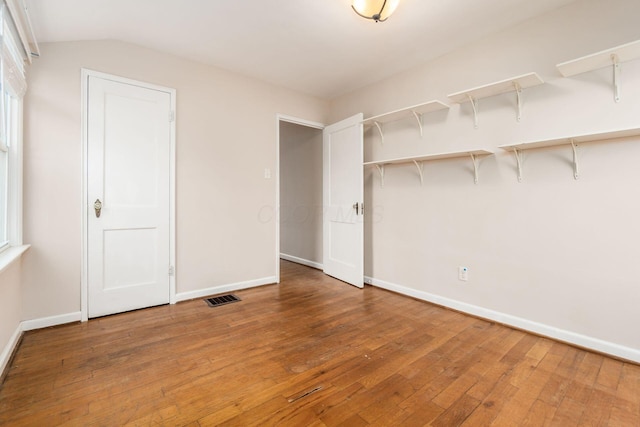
338, 215
128, 195
300, 172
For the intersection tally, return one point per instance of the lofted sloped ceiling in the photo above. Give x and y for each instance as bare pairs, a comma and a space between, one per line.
318, 47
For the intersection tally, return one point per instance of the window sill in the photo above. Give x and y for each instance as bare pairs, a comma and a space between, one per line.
11, 254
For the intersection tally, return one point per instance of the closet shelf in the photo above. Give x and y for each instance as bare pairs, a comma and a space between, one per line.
418, 161
605, 58
572, 141
513, 84
416, 111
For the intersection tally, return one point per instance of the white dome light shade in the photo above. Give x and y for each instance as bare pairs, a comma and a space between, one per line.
378, 10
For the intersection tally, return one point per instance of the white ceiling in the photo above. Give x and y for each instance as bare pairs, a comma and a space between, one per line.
319, 47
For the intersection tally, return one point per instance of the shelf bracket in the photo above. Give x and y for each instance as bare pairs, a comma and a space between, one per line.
418, 117
574, 147
474, 105
381, 171
474, 159
419, 166
380, 130
616, 77
518, 90
518, 155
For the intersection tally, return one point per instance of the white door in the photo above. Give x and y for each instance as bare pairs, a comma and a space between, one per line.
343, 229
128, 174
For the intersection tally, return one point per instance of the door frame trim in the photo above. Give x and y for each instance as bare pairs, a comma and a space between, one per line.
297, 121
84, 284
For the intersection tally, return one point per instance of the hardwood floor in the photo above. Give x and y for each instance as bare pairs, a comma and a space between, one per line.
311, 351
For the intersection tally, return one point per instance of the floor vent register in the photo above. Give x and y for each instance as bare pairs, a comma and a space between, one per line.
222, 300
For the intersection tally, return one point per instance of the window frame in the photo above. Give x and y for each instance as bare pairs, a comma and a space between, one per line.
12, 90
14, 174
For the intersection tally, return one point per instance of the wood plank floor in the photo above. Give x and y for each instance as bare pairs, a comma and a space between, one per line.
311, 351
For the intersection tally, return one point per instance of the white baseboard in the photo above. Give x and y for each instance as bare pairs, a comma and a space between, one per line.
580, 340
184, 296
45, 322
9, 348
302, 261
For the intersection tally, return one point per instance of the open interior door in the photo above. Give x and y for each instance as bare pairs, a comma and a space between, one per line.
343, 228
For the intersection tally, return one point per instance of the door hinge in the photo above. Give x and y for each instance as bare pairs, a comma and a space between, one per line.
172, 271
172, 116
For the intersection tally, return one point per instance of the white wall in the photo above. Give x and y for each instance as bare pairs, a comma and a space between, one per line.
301, 192
10, 310
226, 137
551, 254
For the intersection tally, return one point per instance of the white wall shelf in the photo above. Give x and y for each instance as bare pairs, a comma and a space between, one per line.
419, 160
571, 141
606, 58
513, 84
416, 111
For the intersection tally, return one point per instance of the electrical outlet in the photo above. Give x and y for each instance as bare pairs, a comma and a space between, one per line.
463, 273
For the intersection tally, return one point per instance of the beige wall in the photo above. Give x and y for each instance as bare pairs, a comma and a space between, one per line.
10, 309
550, 251
301, 192
226, 137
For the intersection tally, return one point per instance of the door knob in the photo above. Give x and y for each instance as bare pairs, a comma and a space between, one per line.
355, 206
98, 207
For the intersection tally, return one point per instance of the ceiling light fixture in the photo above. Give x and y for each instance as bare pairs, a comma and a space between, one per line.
378, 10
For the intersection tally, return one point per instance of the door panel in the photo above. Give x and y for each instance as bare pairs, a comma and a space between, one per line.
131, 119
130, 257
128, 152
343, 201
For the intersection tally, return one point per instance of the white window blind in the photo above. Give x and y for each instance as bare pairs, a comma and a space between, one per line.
13, 81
